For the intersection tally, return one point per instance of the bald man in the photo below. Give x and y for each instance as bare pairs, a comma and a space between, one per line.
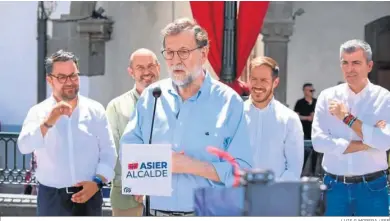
144, 68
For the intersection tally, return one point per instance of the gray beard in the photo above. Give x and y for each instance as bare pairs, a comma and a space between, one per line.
187, 82
64, 97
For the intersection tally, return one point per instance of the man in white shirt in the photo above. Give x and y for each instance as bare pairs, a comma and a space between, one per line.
71, 138
348, 128
276, 133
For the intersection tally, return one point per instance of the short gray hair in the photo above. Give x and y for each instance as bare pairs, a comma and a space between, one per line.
354, 45
184, 24
60, 55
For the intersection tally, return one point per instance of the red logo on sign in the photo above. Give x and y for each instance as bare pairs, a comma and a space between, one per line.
132, 166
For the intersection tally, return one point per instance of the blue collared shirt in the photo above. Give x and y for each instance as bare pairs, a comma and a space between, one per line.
212, 117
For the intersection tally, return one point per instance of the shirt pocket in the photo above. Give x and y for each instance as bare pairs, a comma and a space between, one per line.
210, 138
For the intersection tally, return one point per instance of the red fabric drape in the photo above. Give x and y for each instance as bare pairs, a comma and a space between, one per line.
210, 15
249, 24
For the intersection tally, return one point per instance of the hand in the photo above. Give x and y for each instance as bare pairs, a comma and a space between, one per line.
180, 162
310, 118
89, 189
139, 198
337, 109
61, 108
380, 124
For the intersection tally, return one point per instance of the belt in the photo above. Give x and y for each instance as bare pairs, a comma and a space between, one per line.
169, 213
358, 179
70, 190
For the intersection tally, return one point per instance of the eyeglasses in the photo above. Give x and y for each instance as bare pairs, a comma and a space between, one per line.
142, 69
312, 90
182, 53
63, 78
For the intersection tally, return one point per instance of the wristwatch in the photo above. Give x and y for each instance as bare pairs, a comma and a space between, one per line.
98, 181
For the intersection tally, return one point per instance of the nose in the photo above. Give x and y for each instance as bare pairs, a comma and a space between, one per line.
349, 68
176, 59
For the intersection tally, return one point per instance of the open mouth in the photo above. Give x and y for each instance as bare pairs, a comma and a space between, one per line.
258, 90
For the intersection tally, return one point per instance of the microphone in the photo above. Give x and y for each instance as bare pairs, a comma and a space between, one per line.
156, 94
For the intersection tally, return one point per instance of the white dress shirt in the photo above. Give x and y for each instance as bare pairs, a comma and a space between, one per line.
277, 139
332, 137
75, 149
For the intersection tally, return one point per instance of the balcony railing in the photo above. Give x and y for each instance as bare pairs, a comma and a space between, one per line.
14, 166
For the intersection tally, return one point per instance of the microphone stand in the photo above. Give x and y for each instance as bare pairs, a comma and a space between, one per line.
156, 94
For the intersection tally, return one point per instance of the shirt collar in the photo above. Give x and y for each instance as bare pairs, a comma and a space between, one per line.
135, 92
361, 93
267, 108
204, 90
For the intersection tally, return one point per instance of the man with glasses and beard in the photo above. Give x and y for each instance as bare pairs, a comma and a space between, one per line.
305, 109
275, 131
144, 68
193, 113
70, 136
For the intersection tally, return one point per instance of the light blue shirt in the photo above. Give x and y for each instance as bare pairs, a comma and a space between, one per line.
212, 117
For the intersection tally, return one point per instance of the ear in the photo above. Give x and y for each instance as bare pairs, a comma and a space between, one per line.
158, 69
49, 81
370, 66
276, 82
130, 71
205, 53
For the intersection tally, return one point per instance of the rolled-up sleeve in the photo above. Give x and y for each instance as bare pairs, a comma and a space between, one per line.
239, 146
375, 137
322, 140
107, 154
30, 137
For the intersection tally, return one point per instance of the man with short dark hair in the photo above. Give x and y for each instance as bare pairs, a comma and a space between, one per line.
305, 109
71, 138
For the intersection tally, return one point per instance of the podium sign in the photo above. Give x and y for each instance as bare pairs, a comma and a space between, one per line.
146, 169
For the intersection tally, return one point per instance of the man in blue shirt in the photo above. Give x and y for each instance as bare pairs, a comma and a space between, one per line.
193, 113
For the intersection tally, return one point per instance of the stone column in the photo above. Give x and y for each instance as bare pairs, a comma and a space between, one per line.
276, 31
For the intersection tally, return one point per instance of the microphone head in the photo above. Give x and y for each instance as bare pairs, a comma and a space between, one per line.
157, 92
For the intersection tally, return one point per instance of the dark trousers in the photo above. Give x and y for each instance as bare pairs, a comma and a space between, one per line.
56, 202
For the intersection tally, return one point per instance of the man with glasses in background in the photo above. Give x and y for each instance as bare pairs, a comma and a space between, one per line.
193, 113
144, 68
71, 139
305, 109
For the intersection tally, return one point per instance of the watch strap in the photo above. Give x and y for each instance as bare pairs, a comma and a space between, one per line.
98, 181
47, 125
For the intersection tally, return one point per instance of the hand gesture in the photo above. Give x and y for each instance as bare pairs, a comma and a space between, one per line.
338, 109
61, 108
89, 189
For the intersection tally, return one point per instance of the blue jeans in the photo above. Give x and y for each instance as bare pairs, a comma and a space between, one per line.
360, 199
